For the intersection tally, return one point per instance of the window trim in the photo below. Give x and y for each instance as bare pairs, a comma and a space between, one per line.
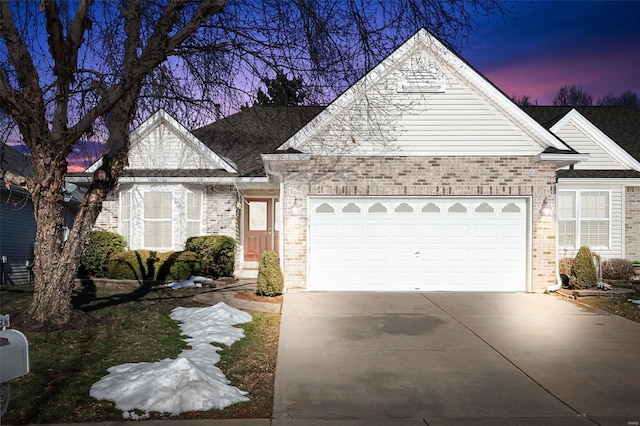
577, 219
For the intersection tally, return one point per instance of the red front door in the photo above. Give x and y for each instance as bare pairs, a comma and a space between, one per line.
259, 228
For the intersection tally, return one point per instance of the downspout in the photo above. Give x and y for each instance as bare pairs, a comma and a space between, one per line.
278, 175
558, 283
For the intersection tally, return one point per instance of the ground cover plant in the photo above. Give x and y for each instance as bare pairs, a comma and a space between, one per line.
117, 324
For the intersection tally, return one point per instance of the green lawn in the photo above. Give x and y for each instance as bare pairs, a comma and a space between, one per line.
135, 328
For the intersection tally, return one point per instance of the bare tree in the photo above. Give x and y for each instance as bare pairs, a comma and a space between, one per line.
628, 99
524, 100
572, 96
80, 70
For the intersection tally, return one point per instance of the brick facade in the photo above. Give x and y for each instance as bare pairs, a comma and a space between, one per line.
632, 223
420, 176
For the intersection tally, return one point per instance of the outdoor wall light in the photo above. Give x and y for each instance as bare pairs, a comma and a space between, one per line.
295, 209
545, 210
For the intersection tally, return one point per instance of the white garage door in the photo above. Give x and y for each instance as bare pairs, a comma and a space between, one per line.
409, 244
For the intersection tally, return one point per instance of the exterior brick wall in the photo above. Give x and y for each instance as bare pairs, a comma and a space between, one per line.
220, 212
632, 223
108, 219
420, 176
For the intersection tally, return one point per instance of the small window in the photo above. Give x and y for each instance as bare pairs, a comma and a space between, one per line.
430, 208
404, 208
511, 208
457, 208
351, 208
377, 208
324, 208
484, 208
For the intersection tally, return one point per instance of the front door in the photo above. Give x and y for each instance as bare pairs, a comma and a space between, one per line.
260, 233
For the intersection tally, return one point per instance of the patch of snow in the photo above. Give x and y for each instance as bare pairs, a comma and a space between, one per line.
193, 281
636, 301
191, 382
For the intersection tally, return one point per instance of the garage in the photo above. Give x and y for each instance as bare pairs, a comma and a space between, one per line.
417, 244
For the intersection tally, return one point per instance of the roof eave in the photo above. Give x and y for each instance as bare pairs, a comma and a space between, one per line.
560, 160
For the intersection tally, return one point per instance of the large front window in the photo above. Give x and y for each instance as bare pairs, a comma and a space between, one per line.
583, 219
160, 217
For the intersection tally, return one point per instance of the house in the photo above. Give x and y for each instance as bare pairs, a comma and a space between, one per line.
17, 222
422, 176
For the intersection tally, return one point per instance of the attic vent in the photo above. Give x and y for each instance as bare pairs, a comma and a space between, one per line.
422, 77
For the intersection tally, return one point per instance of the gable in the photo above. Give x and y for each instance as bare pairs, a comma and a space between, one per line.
161, 143
583, 136
423, 100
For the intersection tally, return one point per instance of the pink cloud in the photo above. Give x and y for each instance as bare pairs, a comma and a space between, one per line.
596, 72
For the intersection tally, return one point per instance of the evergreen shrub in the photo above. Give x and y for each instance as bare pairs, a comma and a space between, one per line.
146, 265
270, 279
583, 270
102, 245
217, 254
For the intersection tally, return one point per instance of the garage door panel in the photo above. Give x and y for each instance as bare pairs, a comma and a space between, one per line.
425, 244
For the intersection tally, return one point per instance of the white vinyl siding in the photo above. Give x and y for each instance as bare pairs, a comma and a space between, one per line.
458, 121
579, 139
584, 218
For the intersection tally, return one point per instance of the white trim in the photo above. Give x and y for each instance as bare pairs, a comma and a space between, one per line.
578, 218
173, 179
561, 160
607, 144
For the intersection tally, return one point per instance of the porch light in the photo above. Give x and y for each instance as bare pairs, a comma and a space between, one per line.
295, 209
545, 210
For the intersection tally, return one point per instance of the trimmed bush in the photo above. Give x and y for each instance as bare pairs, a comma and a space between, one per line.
270, 279
617, 269
217, 254
583, 270
102, 245
145, 265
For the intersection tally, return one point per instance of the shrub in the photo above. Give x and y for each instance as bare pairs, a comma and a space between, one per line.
102, 245
565, 265
145, 265
617, 269
217, 254
270, 279
583, 271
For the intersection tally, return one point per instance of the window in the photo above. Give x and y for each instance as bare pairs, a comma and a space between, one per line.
125, 216
194, 213
157, 219
583, 218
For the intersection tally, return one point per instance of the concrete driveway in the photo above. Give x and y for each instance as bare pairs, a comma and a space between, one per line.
454, 359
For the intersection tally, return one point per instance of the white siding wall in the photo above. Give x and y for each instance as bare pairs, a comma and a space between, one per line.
577, 139
616, 201
163, 148
458, 121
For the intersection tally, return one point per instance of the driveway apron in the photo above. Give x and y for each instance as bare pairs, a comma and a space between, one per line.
454, 358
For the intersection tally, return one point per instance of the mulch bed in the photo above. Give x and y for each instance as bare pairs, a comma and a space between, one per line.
251, 296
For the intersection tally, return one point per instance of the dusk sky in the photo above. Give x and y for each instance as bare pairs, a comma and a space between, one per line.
545, 45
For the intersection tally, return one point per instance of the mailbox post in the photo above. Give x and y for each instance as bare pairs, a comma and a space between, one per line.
14, 359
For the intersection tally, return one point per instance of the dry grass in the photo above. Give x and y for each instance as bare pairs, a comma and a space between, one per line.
134, 327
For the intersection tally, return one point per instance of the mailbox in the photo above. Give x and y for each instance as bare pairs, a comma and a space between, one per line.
14, 355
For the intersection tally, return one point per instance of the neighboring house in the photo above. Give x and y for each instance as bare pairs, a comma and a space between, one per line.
421, 176
17, 222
